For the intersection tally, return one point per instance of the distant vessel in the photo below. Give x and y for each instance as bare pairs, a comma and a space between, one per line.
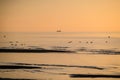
58, 31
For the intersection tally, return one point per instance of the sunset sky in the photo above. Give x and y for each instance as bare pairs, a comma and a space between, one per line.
68, 15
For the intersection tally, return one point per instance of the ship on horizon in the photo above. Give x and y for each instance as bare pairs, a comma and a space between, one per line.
58, 31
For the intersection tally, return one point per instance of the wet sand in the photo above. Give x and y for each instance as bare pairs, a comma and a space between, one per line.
32, 50
93, 76
32, 66
12, 66
17, 67
14, 79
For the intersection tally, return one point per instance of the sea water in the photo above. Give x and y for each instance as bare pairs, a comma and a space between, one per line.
94, 53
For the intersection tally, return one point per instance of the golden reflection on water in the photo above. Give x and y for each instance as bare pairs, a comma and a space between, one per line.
109, 62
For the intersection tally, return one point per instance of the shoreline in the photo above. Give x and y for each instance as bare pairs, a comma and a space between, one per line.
33, 50
94, 76
14, 79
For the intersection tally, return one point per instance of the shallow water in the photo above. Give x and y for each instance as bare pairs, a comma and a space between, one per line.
58, 66
94, 54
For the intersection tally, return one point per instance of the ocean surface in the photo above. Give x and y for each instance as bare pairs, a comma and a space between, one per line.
92, 56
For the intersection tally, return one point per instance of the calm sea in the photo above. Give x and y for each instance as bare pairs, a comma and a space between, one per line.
94, 53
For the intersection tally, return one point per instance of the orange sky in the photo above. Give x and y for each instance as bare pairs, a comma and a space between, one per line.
68, 15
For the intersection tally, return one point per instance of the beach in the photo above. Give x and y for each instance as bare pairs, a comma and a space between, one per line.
57, 66
51, 56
